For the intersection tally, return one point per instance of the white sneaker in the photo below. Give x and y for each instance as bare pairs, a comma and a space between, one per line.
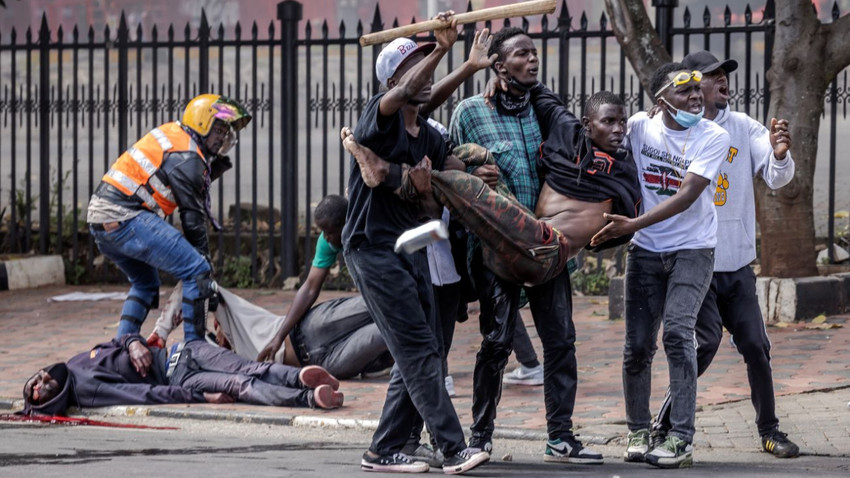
450, 386
523, 375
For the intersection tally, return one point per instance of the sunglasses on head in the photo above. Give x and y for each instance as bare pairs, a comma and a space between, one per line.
681, 78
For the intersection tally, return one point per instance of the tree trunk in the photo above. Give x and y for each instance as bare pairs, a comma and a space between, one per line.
637, 38
806, 56
797, 84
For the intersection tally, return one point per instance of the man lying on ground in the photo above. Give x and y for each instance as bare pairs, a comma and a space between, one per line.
589, 171
125, 372
338, 335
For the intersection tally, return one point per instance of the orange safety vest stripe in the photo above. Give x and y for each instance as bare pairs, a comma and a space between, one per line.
135, 168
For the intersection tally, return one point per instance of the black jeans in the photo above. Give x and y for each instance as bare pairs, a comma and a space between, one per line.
398, 292
446, 298
731, 302
551, 308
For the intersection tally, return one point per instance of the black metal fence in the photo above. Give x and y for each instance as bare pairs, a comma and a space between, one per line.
70, 103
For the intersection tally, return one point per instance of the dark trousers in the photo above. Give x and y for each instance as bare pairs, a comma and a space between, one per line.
446, 298
216, 369
551, 308
731, 302
523, 348
398, 292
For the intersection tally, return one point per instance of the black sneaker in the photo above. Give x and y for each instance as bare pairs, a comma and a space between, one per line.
464, 461
657, 437
570, 450
482, 443
395, 463
778, 444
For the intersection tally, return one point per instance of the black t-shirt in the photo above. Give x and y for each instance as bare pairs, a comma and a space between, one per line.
377, 216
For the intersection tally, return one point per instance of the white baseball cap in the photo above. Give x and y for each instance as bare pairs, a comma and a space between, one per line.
396, 53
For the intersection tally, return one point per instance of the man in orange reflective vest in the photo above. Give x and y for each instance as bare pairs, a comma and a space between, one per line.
170, 167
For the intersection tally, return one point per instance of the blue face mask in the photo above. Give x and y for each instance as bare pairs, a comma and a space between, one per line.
685, 118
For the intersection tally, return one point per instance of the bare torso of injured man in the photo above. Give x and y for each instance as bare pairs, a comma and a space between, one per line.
588, 172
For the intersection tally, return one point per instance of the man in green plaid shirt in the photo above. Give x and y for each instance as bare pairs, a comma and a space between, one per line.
514, 140
511, 133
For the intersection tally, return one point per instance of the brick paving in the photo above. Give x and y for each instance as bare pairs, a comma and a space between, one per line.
36, 332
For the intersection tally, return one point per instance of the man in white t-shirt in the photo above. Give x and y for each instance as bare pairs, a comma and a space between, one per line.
671, 257
731, 300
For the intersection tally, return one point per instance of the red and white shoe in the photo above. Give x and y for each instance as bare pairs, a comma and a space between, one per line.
312, 376
326, 397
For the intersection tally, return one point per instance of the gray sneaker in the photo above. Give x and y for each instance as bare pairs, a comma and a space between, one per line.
638, 446
522, 375
673, 453
426, 453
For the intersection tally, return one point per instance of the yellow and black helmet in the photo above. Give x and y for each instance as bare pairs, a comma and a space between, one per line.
204, 109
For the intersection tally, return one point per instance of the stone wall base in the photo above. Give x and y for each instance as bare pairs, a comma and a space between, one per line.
34, 271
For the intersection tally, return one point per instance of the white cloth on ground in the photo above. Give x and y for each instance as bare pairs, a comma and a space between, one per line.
248, 327
84, 296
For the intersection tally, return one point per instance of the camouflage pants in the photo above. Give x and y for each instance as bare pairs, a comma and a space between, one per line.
516, 245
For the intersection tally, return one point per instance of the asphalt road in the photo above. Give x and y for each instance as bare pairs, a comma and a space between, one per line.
215, 448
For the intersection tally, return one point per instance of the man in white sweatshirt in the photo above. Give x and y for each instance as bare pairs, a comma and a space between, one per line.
731, 301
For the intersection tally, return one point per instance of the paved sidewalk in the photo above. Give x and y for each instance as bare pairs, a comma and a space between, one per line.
36, 332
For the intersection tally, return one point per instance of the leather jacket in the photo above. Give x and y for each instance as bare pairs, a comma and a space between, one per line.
184, 172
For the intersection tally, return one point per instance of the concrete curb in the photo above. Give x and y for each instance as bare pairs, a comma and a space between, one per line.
31, 271
260, 418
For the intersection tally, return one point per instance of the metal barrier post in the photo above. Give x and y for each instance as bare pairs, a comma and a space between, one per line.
43, 136
289, 13
664, 21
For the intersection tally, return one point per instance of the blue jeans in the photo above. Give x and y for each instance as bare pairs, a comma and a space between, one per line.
398, 292
140, 247
666, 287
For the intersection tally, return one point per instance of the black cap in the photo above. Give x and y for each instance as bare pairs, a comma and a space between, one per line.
705, 62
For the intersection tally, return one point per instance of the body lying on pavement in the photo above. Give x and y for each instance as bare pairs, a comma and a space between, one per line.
125, 372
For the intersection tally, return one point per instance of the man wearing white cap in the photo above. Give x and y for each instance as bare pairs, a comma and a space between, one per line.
397, 287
